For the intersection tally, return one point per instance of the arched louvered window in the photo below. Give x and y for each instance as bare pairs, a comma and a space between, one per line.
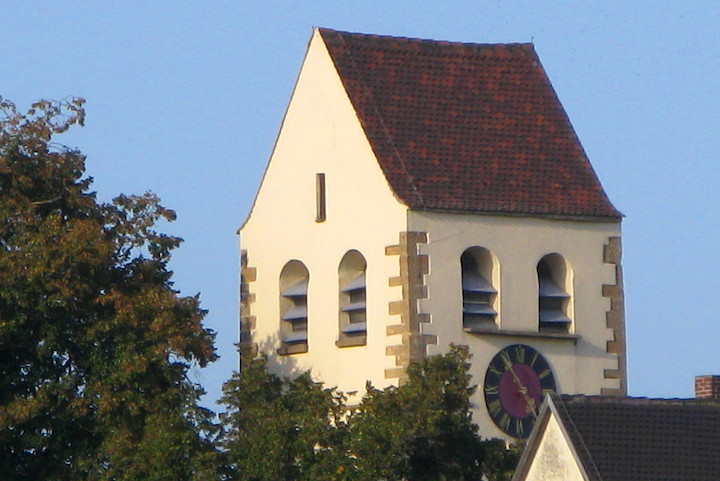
294, 280
479, 295
553, 296
353, 300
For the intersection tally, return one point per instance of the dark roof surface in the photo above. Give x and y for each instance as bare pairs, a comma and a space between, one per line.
641, 439
467, 127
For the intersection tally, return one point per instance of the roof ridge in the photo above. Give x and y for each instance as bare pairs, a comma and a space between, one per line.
637, 400
426, 40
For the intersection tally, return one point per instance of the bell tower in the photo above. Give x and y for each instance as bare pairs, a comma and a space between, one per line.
425, 193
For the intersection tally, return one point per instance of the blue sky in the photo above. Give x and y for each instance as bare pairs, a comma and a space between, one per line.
185, 99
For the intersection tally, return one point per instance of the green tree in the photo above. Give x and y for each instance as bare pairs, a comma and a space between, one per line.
95, 344
500, 459
281, 429
421, 430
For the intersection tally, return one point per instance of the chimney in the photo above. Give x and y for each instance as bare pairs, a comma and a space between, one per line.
707, 387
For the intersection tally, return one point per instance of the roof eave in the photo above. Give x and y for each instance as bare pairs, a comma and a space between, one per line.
567, 217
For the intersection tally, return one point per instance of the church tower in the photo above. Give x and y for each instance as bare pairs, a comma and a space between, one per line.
423, 193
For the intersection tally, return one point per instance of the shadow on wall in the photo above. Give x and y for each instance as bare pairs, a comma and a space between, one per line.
285, 366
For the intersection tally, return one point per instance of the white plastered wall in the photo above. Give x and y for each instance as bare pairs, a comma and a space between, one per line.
518, 243
321, 134
554, 459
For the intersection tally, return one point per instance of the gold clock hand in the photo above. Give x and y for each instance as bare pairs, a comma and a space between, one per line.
531, 407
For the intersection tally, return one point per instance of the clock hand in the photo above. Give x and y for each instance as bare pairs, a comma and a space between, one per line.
531, 407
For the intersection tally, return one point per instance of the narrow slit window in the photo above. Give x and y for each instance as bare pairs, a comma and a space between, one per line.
320, 198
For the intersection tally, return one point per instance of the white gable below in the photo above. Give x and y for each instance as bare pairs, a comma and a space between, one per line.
554, 459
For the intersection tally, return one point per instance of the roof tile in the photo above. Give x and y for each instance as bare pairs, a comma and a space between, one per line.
646, 439
467, 127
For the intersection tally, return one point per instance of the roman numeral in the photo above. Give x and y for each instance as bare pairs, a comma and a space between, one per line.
520, 354
535, 357
505, 421
494, 370
494, 408
505, 356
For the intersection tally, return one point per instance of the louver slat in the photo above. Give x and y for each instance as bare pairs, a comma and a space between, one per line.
553, 317
298, 289
356, 284
355, 327
473, 282
295, 337
472, 308
296, 313
548, 288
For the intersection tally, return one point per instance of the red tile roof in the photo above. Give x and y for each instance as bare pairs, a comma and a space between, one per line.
467, 127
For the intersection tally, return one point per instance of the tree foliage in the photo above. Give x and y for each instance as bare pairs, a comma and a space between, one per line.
421, 430
95, 344
295, 429
282, 429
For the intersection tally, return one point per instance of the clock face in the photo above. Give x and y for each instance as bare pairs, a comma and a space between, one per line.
516, 381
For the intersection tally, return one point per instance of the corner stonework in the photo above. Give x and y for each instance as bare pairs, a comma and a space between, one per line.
615, 318
248, 348
413, 268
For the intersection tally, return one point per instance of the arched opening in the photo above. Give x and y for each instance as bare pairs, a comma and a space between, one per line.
479, 295
294, 280
352, 300
553, 294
